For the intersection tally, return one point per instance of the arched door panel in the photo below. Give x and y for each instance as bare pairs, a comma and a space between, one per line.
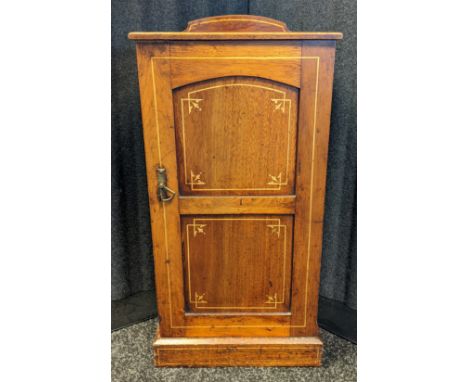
236, 136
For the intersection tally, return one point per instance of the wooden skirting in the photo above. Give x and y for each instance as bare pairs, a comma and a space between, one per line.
237, 351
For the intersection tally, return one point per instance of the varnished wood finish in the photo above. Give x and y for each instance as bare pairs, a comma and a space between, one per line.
193, 62
238, 23
189, 205
242, 129
253, 255
235, 27
234, 351
236, 136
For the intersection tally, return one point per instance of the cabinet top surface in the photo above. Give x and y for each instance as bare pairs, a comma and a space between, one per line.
235, 27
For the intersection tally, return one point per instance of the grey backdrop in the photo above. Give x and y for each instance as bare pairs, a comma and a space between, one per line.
132, 264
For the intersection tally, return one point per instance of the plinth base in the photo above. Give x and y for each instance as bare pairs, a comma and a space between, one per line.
237, 351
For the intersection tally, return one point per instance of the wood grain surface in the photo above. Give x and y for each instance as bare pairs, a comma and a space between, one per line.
236, 136
241, 128
252, 253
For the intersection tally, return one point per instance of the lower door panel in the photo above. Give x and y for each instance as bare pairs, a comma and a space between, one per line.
235, 264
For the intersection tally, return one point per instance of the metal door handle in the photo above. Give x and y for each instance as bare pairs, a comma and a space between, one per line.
163, 190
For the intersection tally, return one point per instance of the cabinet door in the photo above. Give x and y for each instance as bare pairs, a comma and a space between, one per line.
242, 131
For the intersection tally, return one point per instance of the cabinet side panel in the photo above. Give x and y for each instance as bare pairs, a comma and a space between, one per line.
313, 133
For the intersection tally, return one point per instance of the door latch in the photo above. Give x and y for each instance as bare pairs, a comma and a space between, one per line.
165, 194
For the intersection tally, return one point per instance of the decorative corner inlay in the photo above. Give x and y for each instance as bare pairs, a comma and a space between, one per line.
195, 179
275, 180
198, 228
280, 103
272, 299
275, 228
193, 103
200, 299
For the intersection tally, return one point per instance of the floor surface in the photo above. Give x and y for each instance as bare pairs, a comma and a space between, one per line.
132, 361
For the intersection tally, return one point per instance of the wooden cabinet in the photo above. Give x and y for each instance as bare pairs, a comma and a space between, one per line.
236, 114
